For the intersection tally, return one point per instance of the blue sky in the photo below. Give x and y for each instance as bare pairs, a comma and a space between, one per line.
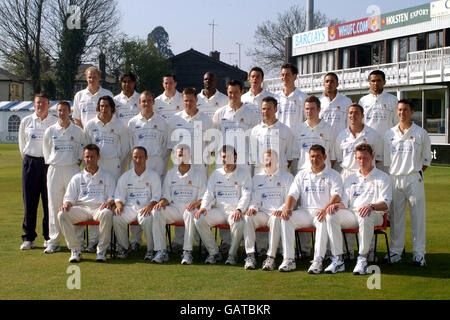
187, 22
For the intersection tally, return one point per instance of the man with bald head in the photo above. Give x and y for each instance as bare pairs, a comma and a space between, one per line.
210, 99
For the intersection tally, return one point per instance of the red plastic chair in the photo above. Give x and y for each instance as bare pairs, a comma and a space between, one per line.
297, 239
86, 234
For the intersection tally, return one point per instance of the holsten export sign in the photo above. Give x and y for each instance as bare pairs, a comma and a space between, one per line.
310, 37
354, 28
405, 17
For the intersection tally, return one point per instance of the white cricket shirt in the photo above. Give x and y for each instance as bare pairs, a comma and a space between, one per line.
166, 107
361, 191
334, 112
31, 134
346, 142
127, 108
85, 104
316, 190
380, 111
270, 192
307, 136
90, 190
181, 190
152, 134
406, 153
290, 108
137, 190
211, 105
63, 147
229, 191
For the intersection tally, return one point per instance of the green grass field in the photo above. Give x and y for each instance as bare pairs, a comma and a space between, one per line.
34, 275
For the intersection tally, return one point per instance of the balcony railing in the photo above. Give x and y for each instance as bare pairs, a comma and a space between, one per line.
428, 66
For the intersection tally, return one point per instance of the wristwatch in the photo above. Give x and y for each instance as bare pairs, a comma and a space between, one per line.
372, 206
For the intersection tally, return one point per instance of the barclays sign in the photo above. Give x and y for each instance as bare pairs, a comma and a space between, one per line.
309, 38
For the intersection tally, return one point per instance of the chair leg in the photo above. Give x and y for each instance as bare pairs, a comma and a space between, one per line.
387, 246
168, 230
112, 246
375, 247
299, 245
346, 245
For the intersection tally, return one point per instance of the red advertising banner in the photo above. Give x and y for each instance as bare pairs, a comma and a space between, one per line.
354, 28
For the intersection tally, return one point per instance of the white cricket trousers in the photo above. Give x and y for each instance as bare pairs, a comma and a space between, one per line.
303, 218
67, 220
216, 216
262, 219
346, 219
409, 189
58, 177
171, 214
128, 215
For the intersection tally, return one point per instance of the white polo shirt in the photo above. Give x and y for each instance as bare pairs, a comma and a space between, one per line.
380, 111
277, 137
166, 107
127, 108
249, 97
181, 190
362, 191
211, 105
290, 108
139, 191
334, 112
85, 104
406, 153
90, 190
111, 138
63, 147
316, 190
307, 136
270, 192
229, 191
31, 134
346, 142
152, 134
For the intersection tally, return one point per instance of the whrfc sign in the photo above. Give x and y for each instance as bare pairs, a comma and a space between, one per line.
354, 28
405, 17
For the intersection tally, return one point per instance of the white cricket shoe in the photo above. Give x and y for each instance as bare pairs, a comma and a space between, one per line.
148, 255
187, 257
52, 249
231, 260
213, 258
336, 265
101, 257
161, 257
394, 258
250, 262
361, 266
27, 245
75, 256
287, 265
316, 266
419, 261
269, 264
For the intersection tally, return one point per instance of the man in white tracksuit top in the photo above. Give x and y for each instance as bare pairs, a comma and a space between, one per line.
89, 196
367, 194
210, 99
63, 150
226, 198
183, 189
270, 189
137, 192
407, 154
317, 187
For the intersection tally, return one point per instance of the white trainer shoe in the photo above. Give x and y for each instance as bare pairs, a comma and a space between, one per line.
161, 257
46, 243
231, 260
187, 257
101, 257
148, 255
122, 253
361, 266
52, 249
91, 248
75, 256
27, 245
336, 265
287, 265
269, 264
316, 266
394, 258
250, 262
419, 261
213, 258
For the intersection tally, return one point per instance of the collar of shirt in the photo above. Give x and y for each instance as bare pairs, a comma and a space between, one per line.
317, 127
59, 127
294, 93
274, 125
324, 96
228, 175
95, 94
185, 175
187, 117
399, 133
274, 175
369, 175
122, 96
202, 95
35, 117
166, 99
88, 175
142, 118
321, 173
101, 123
137, 178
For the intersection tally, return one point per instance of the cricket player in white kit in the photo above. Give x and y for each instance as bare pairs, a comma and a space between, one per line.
170, 101
355, 134
183, 189
226, 198
367, 194
270, 189
318, 188
333, 105
149, 130
85, 101
407, 154
210, 99
89, 196
137, 192
63, 151
380, 107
